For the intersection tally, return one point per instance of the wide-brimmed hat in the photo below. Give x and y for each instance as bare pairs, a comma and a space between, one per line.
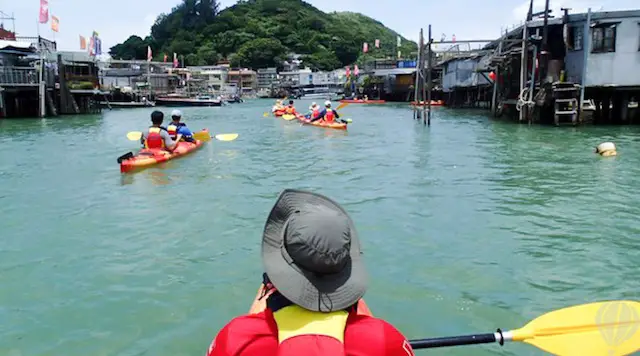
311, 252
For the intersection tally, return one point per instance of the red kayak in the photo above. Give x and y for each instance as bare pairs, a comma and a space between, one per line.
359, 101
278, 113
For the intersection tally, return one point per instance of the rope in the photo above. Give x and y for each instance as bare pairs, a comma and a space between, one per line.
524, 99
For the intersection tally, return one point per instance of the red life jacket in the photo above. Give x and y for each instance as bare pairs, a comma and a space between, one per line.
290, 110
154, 139
329, 116
315, 113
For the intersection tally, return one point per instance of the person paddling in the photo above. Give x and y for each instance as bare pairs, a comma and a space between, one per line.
314, 111
177, 128
315, 279
328, 114
290, 109
157, 137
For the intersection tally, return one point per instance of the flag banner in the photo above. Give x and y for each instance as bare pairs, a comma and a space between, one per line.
356, 71
149, 54
365, 47
377, 43
165, 58
44, 11
55, 24
399, 41
83, 42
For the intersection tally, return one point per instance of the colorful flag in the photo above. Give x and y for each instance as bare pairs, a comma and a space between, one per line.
399, 55
175, 60
83, 42
98, 46
44, 11
149, 54
356, 71
165, 58
348, 72
377, 43
55, 24
365, 47
399, 41
92, 45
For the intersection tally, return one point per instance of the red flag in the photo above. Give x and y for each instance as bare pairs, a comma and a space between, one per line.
83, 42
149, 54
377, 43
348, 72
165, 58
365, 47
356, 71
44, 11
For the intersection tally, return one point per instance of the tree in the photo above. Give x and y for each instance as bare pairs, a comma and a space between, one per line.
260, 53
323, 60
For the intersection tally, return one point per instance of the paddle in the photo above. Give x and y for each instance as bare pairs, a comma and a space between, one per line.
603, 328
201, 136
288, 117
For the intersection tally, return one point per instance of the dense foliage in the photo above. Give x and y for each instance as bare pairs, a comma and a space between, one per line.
260, 33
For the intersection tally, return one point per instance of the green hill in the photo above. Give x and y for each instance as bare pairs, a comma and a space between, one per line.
259, 34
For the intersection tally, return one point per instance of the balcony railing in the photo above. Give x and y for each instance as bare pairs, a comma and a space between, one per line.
18, 76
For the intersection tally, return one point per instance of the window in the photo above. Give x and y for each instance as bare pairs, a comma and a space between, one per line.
603, 38
577, 38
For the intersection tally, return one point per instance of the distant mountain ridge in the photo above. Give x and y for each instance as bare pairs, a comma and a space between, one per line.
260, 33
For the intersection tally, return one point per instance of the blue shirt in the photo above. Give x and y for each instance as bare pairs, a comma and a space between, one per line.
184, 131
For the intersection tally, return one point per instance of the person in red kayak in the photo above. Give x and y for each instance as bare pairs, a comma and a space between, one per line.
314, 280
158, 136
328, 114
290, 109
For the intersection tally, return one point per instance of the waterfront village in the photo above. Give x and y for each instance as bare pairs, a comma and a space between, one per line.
566, 69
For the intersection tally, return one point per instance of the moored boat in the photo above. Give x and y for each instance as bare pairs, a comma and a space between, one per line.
202, 100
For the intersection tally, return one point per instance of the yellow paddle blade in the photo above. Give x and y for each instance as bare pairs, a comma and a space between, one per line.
134, 135
202, 136
265, 114
226, 137
288, 117
604, 328
341, 106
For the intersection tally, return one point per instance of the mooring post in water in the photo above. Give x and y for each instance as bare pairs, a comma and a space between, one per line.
416, 113
41, 91
428, 106
586, 47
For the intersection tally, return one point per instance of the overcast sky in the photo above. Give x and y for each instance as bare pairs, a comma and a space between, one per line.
115, 20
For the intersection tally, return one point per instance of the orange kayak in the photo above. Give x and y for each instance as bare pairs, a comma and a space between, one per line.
322, 123
148, 157
360, 101
278, 113
260, 305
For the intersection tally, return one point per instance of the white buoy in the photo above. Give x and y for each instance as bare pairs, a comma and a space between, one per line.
606, 149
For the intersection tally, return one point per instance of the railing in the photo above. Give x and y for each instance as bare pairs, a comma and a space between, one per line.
18, 76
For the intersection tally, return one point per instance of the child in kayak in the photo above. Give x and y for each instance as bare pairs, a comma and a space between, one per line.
176, 128
158, 136
328, 114
290, 109
314, 111
313, 285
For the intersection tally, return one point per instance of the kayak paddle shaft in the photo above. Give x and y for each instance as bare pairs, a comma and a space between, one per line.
456, 341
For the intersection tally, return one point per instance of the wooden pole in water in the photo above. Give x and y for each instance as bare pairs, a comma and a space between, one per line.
494, 96
428, 106
42, 86
523, 65
418, 73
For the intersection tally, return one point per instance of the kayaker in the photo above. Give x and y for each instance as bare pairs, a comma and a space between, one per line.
176, 128
277, 106
314, 111
290, 109
315, 278
158, 136
328, 114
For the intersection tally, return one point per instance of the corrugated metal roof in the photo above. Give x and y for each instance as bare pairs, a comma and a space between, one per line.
393, 71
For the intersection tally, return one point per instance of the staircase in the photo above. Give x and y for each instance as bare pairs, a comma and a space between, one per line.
565, 102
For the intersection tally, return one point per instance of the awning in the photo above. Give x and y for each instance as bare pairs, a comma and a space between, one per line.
16, 47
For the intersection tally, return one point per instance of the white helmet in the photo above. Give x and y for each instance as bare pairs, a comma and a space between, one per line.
176, 113
314, 104
327, 103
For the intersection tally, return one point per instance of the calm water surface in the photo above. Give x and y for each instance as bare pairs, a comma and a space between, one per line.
467, 225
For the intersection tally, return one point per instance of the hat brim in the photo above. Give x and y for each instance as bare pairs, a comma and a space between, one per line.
306, 289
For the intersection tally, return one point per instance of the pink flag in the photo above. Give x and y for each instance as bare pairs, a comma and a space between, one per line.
149, 54
377, 43
175, 60
453, 38
348, 72
356, 71
44, 11
165, 58
365, 47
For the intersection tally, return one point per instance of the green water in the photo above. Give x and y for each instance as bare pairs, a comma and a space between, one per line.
467, 226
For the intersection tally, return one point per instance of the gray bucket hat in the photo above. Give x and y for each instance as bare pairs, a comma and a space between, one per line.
311, 252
